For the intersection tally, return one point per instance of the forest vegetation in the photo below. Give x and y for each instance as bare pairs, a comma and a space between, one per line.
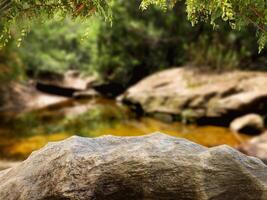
211, 57
116, 40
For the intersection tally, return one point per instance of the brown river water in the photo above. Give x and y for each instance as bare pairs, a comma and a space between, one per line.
91, 118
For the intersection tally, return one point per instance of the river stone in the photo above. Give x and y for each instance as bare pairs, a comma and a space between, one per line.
20, 98
71, 79
193, 94
248, 124
5, 164
256, 147
150, 167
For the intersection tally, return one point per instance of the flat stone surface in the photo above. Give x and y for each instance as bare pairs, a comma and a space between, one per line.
150, 167
194, 94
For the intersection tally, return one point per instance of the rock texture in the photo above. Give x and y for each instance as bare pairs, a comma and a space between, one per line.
4, 164
193, 94
154, 167
256, 147
248, 124
18, 98
49, 90
72, 79
71, 84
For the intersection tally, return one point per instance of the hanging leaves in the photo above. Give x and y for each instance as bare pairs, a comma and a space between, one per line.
19, 14
238, 13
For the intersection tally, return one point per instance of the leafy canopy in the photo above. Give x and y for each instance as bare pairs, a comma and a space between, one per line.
238, 13
20, 13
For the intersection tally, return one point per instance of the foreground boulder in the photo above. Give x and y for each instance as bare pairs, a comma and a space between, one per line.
4, 164
193, 94
248, 124
256, 147
149, 167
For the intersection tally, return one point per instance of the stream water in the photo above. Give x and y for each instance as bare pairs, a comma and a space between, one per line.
91, 118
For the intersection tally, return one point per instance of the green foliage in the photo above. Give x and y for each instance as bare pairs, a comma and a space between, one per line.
57, 46
20, 14
213, 55
85, 124
10, 66
140, 43
238, 13
225, 50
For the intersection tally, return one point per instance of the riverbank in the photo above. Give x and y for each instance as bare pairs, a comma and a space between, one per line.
181, 102
183, 94
190, 95
33, 131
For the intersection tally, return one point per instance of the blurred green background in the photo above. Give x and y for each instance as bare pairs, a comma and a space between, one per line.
137, 44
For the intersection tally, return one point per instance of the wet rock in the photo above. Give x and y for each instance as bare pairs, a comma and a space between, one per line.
50, 89
18, 98
148, 167
72, 80
248, 124
256, 147
71, 83
163, 117
86, 94
193, 94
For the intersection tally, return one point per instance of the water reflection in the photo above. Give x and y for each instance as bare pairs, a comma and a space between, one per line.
91, 118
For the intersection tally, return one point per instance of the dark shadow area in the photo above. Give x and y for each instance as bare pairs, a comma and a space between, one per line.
55, 90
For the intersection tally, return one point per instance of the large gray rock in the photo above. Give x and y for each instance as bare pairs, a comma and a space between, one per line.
193, 94
124, 168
